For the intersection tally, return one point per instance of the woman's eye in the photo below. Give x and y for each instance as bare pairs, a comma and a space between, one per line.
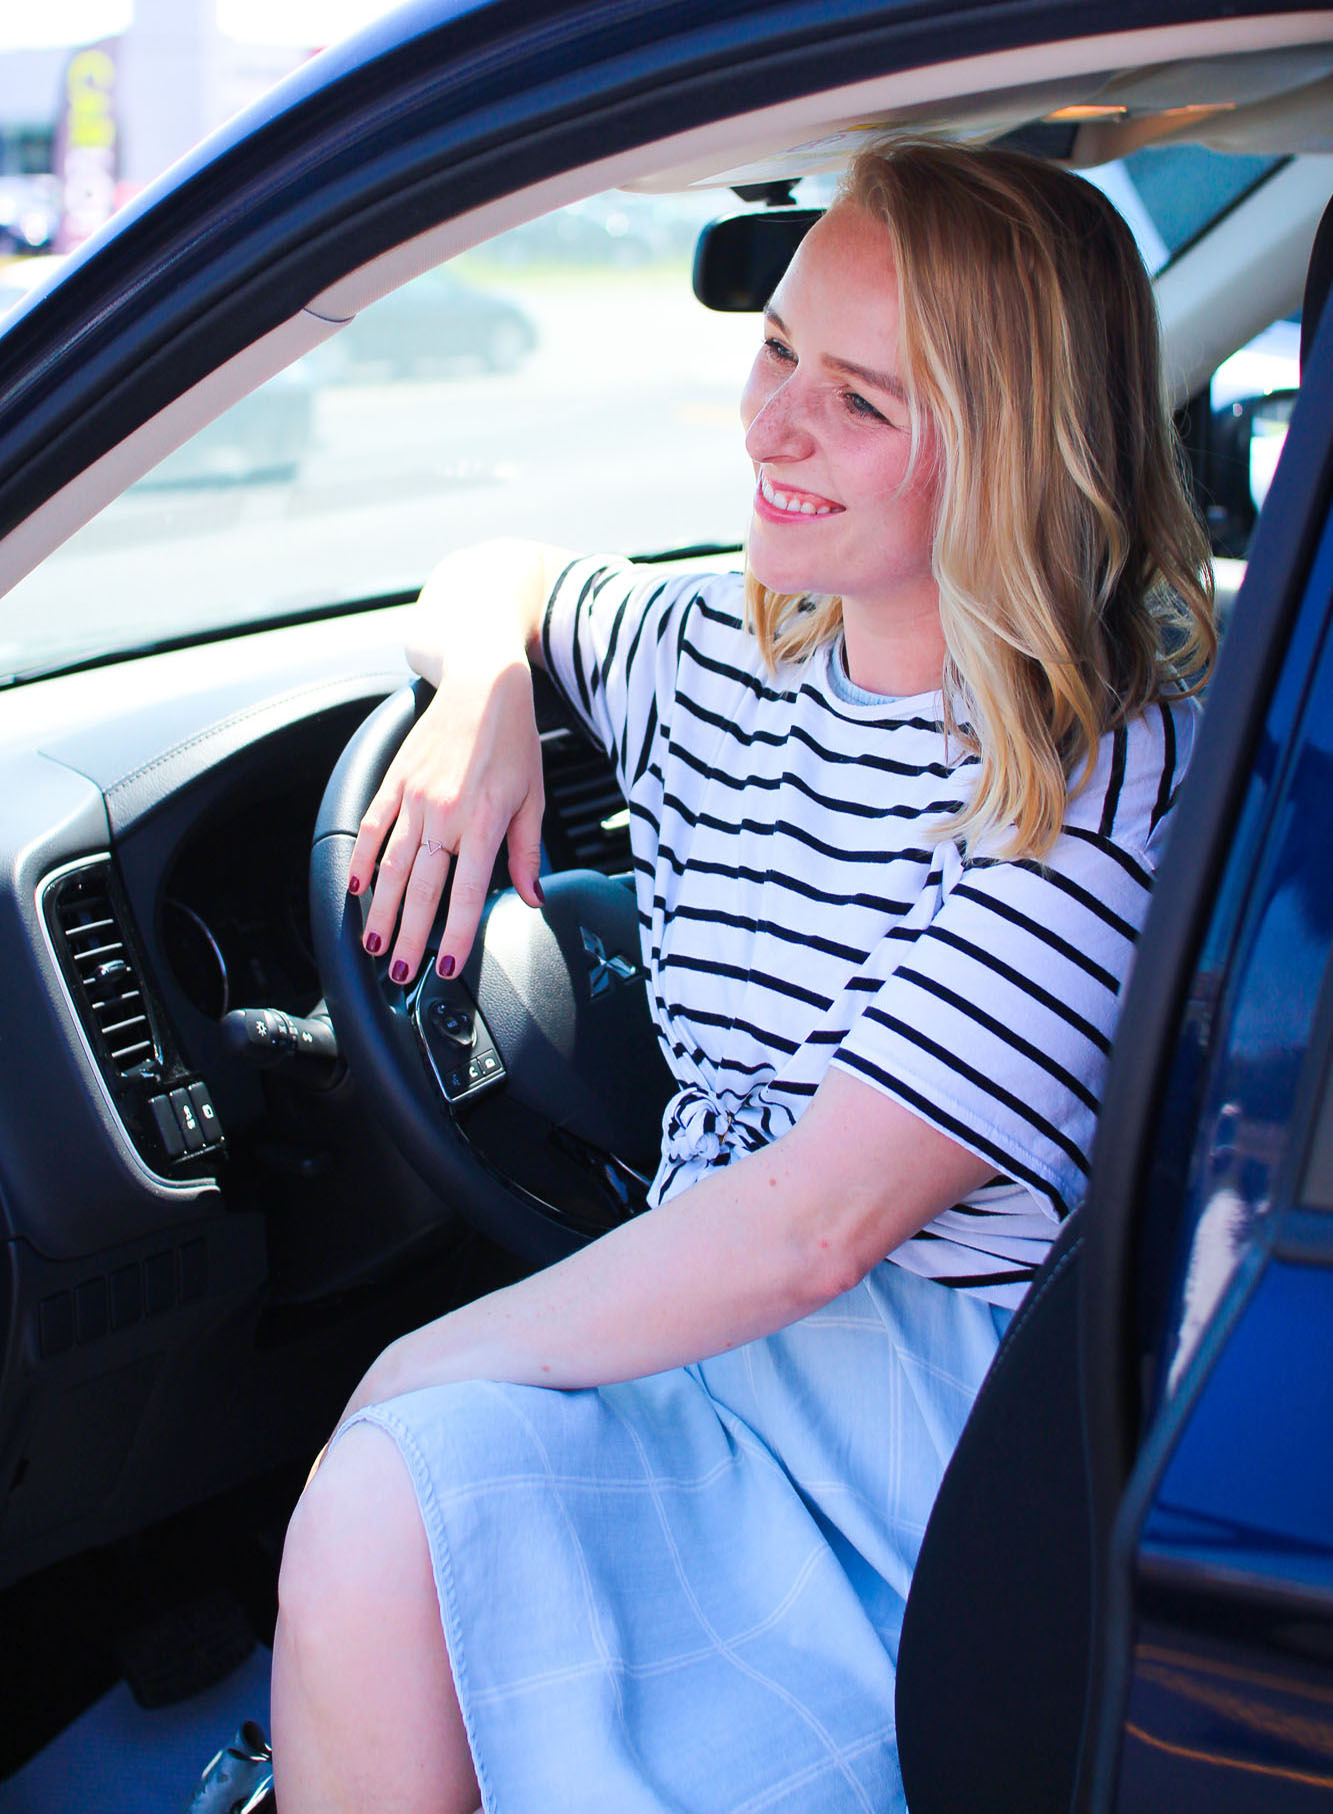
859, 407
778, 349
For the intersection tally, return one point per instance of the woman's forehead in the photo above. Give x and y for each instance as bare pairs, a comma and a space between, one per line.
842, 280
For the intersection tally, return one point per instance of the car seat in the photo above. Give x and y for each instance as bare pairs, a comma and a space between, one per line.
996, 1665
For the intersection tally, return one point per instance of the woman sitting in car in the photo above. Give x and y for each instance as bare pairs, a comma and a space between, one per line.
636, 1533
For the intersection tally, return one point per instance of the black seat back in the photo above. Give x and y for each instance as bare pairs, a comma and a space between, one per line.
993, 1664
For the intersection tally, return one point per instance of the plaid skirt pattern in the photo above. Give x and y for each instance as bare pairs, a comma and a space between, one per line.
685, 1592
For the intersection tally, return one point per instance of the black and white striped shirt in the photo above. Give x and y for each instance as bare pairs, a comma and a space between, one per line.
798, 907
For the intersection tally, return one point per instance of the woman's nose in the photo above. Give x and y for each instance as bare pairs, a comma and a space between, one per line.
776, 424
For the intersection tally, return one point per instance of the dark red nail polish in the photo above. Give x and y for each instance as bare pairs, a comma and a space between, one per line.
373, 942
444, 965
399, 971
540, 893
354, 884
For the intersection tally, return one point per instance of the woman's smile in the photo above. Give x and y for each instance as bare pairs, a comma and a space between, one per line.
780, 503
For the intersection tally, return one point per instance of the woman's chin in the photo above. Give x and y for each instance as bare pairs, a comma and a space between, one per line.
785, 576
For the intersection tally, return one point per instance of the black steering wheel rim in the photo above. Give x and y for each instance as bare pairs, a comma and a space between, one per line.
377, 1035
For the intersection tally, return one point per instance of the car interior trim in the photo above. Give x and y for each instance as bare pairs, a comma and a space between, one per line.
1252, 265
1110, 62
703, 157
184, 1189
135, 792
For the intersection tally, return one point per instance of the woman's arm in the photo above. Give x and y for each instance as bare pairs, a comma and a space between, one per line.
746, 1251
469, 775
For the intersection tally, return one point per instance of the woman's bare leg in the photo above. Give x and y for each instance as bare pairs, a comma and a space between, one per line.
364, 1709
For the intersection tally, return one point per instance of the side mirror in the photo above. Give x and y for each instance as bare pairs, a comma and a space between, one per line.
1269, 418
1245, 439
739, 261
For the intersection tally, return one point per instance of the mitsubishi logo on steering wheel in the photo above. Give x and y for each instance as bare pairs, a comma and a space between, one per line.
604, 971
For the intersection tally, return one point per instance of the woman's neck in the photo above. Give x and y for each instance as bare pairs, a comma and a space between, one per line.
896, 651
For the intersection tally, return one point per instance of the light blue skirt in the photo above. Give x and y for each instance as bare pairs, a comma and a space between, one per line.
685, 1592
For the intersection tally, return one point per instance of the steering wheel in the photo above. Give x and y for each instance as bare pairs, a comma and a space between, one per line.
527, 1092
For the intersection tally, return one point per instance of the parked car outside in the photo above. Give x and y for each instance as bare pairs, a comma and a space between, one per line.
199, 1253
437, 324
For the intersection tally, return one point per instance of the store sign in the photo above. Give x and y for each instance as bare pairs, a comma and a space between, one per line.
86, 149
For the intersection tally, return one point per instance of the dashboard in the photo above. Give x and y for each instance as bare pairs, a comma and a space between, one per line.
198, 1257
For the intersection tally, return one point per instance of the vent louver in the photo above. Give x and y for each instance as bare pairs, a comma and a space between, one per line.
108, 986
584, 805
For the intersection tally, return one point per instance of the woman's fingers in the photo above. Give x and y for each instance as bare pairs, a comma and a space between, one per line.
469, 774
474, 867
421, 899
373, 830
395, 872
472, 880
525, 848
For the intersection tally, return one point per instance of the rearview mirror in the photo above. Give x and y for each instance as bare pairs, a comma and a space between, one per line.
739, 261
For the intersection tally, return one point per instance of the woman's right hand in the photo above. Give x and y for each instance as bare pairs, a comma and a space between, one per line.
468, 776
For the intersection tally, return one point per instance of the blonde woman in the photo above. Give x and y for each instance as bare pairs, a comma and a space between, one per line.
636, 1533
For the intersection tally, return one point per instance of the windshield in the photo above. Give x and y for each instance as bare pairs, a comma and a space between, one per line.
495, 394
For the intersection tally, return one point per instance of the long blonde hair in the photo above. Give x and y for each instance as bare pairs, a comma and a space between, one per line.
1074, 575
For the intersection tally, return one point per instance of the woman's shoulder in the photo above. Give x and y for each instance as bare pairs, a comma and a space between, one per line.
714, 653
656, 585
1130, 795
611, 621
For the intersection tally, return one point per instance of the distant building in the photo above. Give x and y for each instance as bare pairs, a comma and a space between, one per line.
81, 129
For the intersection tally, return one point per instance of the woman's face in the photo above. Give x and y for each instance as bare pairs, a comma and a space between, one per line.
826, 425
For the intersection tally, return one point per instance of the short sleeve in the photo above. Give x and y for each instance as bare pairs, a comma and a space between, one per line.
995, 1026
612, 641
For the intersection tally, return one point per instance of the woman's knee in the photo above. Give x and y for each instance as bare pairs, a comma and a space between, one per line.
355, 1544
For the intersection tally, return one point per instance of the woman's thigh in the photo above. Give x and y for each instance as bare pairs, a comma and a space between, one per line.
364, 1703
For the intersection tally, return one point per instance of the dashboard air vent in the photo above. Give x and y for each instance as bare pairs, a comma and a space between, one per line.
107, 983
586, 812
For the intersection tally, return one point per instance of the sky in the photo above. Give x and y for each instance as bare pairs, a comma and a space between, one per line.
25, 25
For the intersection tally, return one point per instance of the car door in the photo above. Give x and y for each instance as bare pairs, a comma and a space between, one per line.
1209, 1283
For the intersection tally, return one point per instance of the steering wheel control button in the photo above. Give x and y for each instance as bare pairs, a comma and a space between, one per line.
456, 1040
453, 1022
168, 1128
189, 1122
